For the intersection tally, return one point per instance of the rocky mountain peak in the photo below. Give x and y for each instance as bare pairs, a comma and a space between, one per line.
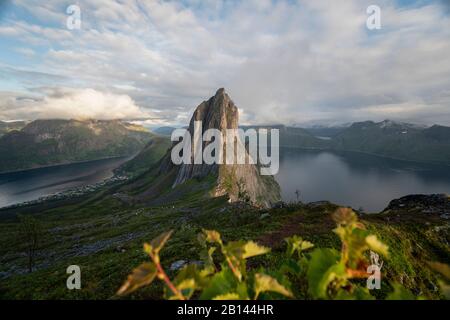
219, 112
238, 181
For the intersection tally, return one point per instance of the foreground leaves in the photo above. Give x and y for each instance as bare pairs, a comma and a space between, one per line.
265, 283
323, 268
146, 273
325, 272
141, 276
444, 270
296, 244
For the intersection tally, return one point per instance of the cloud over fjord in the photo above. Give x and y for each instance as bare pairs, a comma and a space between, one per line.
65, 103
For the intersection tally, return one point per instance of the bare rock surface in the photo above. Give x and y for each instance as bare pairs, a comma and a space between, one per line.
237, 181
427, 204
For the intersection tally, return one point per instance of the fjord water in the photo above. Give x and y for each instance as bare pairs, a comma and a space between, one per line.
354, 179
345, 178
18, 187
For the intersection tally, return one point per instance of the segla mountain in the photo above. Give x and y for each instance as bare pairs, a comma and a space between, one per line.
239, 182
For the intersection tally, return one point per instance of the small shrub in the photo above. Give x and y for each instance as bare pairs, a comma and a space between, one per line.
329, 273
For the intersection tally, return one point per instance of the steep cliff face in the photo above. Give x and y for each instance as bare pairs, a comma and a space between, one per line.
238, 181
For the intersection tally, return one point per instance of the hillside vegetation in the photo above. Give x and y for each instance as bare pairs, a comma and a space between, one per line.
104, 236
396, 140
103, 233
151, 154
49, 142
325, 273
390, 139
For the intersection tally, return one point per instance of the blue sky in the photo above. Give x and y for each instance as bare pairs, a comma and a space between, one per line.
287, 61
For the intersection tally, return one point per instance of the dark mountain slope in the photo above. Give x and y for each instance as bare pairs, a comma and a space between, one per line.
396, 140
152, 153
292, 137
50, 142
6, 127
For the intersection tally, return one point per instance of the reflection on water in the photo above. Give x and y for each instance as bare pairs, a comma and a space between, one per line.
351, 179
354, 179
29, 185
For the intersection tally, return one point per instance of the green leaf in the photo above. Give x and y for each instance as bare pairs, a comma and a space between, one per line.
356, 244
206, 256
242, 291
297, 244
141, 276
252, 249
323, 268
376, 245
227, 296
306, 245
265, 283
187, 281
221, 283
158, 243
187, 288
291, 266
237, 251
234, 252
213, 236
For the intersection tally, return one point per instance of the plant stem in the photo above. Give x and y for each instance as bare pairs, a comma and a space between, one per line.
166, 279
233, 269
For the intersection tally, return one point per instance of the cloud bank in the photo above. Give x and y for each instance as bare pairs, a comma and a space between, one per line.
281, 61
71, 104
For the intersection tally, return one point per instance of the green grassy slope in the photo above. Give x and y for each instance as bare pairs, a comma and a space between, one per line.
104, 236
151, 154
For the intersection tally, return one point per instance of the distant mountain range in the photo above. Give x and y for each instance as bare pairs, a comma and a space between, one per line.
396, 140
322, 131
163, 131
26, 145
50, 142
387, 138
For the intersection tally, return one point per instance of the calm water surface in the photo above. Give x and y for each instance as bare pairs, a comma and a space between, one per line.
356, 180
29, 185
351, 179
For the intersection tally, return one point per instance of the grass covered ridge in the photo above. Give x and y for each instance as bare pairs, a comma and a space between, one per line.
104, 236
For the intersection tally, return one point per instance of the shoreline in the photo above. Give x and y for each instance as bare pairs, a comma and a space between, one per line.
66, 164
68, 194
369, 154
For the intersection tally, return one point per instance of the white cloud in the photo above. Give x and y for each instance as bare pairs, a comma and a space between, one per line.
281, 61
72, 104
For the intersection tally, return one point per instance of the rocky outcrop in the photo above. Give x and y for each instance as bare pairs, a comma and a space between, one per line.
427, 204
237, 181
